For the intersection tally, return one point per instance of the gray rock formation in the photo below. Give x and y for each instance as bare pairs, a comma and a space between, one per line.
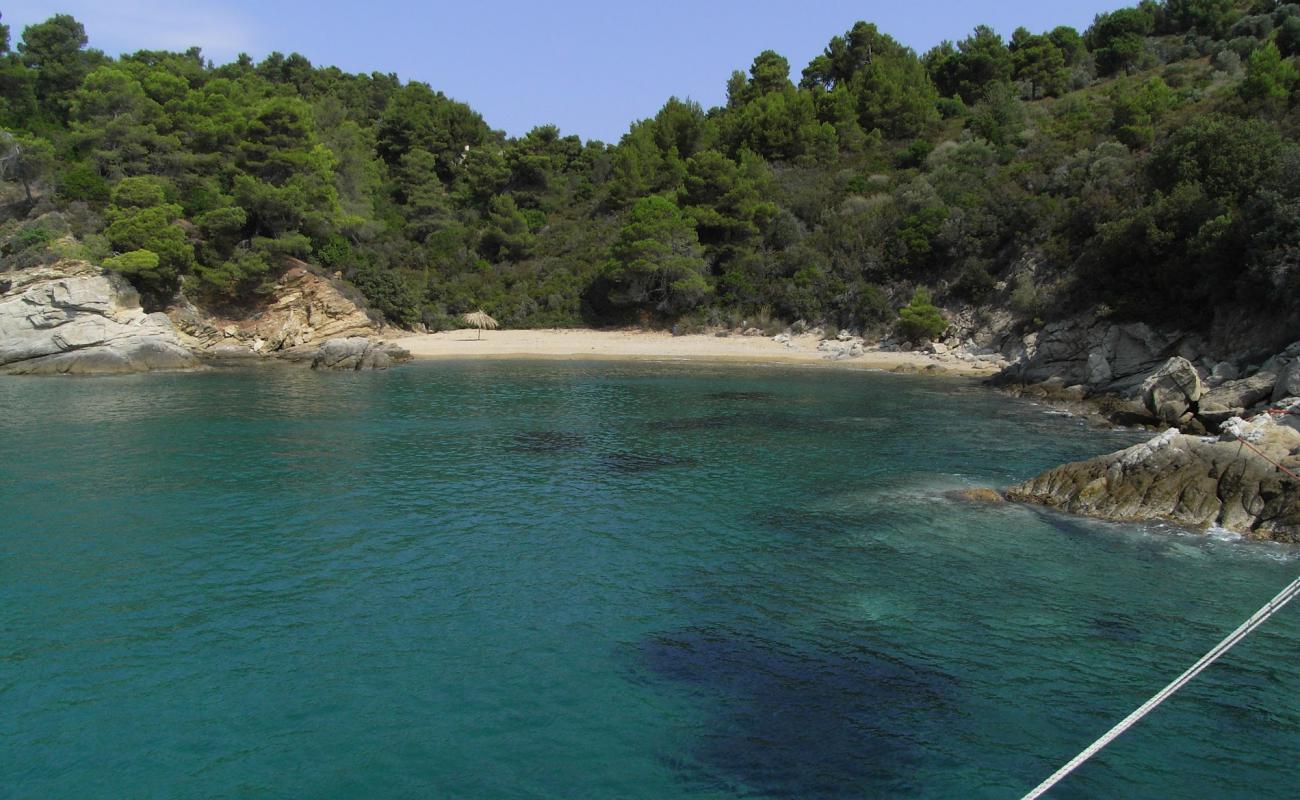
1099, 354
1172, 391
1288, 382
73, 318
1192, 481
357, 353
1241, 394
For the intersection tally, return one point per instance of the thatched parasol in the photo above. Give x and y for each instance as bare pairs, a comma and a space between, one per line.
479, 319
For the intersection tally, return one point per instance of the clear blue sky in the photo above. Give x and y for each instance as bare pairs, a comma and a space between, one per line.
590, 67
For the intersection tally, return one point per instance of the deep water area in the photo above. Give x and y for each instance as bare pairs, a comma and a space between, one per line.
601, 580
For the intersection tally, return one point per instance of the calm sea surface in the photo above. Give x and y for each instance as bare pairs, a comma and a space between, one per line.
589, 580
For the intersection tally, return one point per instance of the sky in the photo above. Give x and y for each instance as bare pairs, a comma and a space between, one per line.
592, 68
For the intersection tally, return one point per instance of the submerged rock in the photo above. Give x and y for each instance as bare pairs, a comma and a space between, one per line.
74, 318
979, 495
1192, 481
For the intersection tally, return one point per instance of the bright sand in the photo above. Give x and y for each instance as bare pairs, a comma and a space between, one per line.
629, 344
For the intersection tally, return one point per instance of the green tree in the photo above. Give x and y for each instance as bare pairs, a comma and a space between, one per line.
1037, 61
140, 219
769, 73
656, 263
1288, 36
887, 82
921, 319
1207, 17
1118, 38
978, 60
1137, 108
1270, 81
26, 159
507, 236
55, 49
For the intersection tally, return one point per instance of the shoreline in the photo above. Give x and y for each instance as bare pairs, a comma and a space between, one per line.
585, 344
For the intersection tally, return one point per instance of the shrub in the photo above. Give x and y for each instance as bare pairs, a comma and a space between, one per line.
921, 319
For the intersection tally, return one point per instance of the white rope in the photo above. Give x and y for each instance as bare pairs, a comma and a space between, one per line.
1259, 618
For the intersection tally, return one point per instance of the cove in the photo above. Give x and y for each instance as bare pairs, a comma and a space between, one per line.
587, 579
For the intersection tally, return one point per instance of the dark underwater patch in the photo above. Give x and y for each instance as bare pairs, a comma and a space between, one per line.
795, 723
546, 442
631, 463
771, 421
741, 396
1117, 626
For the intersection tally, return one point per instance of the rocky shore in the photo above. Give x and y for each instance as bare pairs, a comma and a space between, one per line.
74, 318
1230, 442
1237, 481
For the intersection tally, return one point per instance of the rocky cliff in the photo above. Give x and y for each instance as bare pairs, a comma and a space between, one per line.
1232, 481
75, 318
301, 311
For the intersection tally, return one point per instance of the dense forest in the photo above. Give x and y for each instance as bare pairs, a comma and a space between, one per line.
1146, 168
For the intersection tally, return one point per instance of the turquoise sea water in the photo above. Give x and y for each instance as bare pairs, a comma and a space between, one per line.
590, 580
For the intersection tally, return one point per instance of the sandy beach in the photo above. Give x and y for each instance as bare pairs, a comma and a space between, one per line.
633, 344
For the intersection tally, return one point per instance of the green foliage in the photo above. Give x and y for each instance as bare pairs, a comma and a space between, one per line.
1208, 17
81, 181
884, 81
1039, 62
1270, 81
815, 201
969, 68
28, 238
921, 319
656, 263
1117, 38
27, 160
133, 263
54, 50
1136, 108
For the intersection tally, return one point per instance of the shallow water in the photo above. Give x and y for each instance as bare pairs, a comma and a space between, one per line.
562, 580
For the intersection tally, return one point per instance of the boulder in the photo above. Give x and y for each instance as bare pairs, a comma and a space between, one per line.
73, 318
1288, 382
1099, 371
1223, 372
1189, 480
357, 353
1241, 394
1172, 391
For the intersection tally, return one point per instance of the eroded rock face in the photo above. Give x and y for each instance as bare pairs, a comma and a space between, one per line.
1189, 480
305, 310
73, 318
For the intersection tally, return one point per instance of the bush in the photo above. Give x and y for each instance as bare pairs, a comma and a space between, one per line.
921, 319
134, 262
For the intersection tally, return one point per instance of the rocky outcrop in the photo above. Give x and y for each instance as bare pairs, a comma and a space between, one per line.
76, 319
1229, 482
358, 353
303, 310
1098, 354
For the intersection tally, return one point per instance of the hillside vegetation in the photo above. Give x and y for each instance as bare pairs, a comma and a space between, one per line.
1146, 168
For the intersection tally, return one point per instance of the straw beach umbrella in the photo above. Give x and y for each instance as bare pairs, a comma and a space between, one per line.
479, 319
